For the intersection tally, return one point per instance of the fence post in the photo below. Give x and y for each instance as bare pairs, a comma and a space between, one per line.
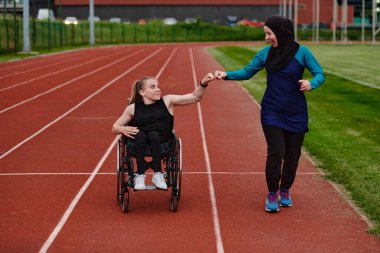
61, 33
123, 33
160, 31
135, 35
111, 31
82, 30
49, 31
54, 34
101, 33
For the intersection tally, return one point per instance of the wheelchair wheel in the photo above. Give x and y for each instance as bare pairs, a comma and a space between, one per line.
119, 170
176, 189
125, 200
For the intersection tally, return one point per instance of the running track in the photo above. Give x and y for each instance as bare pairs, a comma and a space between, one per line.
58, 164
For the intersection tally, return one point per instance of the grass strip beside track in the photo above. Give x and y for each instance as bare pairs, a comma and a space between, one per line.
344, 120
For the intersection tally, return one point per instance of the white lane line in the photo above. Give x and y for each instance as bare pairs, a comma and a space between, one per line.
165, 64
352, 80
69, 82
79, 104
27, 70
218, 236
229, 173
53, 73
56, 72
15, 63
75, 201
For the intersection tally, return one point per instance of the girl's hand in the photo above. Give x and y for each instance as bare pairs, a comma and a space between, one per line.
208, 78
130, 131
220, 75
305, 85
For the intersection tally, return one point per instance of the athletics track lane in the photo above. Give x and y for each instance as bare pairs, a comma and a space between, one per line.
70, 143
98, 224
150, 220
319, 221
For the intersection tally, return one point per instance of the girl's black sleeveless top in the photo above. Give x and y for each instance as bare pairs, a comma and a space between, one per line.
154, 117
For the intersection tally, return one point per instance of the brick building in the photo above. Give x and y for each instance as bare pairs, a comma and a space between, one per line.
207, 10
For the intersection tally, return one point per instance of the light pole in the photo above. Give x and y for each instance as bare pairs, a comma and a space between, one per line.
335, 14
26, 38
92, 37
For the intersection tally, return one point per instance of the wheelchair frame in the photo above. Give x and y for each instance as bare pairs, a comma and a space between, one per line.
172, 171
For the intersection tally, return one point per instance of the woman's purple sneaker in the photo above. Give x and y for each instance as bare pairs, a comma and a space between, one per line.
285, 199
271, 204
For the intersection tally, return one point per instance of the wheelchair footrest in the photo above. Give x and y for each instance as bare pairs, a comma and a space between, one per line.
150, 188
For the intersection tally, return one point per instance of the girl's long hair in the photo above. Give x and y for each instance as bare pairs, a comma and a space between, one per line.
136, 87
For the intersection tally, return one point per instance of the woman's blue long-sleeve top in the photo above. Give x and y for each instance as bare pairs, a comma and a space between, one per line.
283, 104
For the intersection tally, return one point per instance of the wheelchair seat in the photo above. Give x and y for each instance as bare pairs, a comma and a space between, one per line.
166, 147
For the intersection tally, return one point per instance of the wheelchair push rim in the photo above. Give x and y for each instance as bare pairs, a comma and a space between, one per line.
119, 171
176, 188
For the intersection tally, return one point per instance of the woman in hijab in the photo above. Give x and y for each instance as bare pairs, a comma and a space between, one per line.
284, 115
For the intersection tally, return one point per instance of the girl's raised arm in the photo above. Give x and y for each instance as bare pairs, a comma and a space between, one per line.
195, 96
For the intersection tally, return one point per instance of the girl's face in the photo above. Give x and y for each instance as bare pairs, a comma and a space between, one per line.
151, 91
270, 36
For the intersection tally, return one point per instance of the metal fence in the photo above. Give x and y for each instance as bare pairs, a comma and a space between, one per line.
48, 35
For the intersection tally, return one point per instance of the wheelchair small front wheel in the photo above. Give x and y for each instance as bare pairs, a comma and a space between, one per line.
125, 200
174, 201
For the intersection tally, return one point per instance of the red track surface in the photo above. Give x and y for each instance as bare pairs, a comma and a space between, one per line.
52, 144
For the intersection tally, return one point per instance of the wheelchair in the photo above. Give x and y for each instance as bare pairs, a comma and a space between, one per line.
171, 157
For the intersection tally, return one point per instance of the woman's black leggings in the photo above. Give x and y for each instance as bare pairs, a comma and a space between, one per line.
152, 138
284, 151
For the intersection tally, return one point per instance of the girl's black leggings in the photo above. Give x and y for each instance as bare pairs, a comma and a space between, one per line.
283, 153
153, 138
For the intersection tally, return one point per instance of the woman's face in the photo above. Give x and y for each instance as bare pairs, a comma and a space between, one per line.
151, 91
270, 36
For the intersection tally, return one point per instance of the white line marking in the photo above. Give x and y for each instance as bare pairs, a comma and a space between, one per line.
91, 118
219, 242
352, 80
58, 61
41, 58
78, 105
56, 72
229, 173
165, 64
69, 210
68, 82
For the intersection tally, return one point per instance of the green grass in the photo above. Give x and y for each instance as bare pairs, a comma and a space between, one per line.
344, 118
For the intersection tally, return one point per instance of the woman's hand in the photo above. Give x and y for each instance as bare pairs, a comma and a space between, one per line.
220, 75
305, 85
208, 78
130, 131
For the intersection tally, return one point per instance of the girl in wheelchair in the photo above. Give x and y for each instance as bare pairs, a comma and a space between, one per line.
152, 117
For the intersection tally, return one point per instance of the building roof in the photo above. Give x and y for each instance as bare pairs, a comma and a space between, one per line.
169, 2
